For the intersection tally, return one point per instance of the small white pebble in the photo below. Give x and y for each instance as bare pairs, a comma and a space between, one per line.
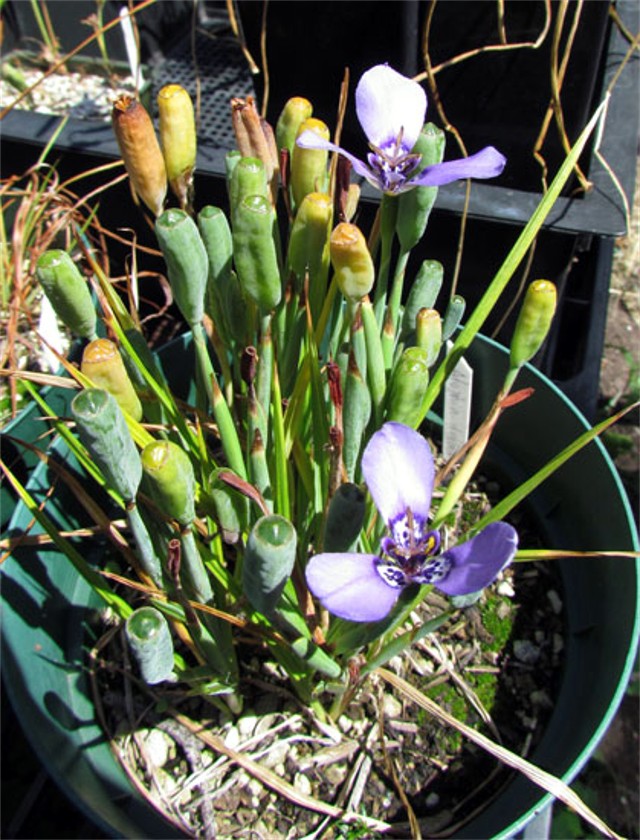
505, 589
302, 783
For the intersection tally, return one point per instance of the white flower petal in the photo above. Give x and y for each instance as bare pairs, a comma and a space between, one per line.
387, 103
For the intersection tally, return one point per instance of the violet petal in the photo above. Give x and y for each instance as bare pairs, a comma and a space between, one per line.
388, 103
398, 467
349, 586
310, 140
477, 562
487, 163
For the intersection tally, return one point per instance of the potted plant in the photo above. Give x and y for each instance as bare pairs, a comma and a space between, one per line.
245, 515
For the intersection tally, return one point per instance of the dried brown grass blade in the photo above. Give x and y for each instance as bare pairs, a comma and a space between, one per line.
271, 779
553, 785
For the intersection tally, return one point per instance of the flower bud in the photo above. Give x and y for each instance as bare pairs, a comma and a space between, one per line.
345, 517
534, 321
309, 166
103, 430
414, 206
268, 561
309, 240
452, 316
255, 253
102, 363
309, 246
187, 264
423, 294
171, 480
295, 112
140, 151
149, 638
178, 140
429, 334
247, 178
351, 261
407, 387
67, 291
216, 236
255, 138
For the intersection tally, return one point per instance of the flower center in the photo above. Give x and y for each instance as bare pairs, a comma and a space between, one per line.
410, 549
392, 163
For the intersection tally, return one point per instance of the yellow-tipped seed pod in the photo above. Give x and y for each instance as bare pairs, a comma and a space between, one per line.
295, 112
140, 151
534, 321
178, 140
351, 261
309, 166
102, 363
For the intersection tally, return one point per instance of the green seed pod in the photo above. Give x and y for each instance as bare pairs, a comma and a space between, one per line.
309, 166
187, 263
452, 316
268, 561
534, 321
355, 416
248, 178
67, 291
171, 480
424, 293
414, 206
407, 387
295, 112
345, 518
255, 252
429, 334
216, 235
104, 431
149, 638
102, 363
351, 261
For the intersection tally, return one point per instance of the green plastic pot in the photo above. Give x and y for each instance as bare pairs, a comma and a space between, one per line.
49, 618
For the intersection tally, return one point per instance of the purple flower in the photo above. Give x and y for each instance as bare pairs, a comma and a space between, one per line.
399, 470
391, 109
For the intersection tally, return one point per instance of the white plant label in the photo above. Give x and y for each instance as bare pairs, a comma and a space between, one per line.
457, 407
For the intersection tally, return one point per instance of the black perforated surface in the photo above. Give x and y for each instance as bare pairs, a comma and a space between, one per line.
213, 70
